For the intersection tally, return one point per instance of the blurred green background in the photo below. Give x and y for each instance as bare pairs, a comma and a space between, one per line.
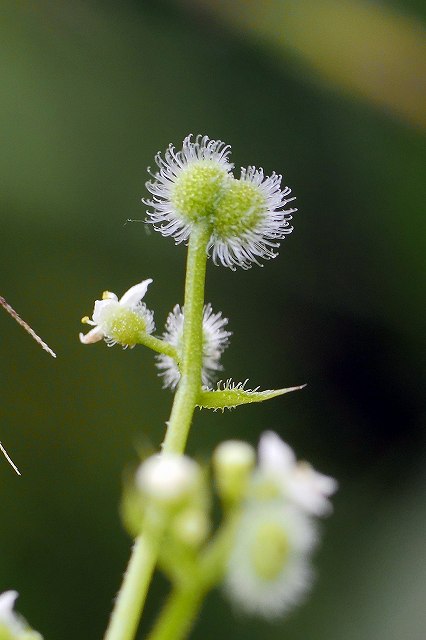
328, 93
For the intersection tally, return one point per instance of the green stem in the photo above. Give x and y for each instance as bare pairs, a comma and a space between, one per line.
192, 348
178, 615
212, 563
131, 598
158, 345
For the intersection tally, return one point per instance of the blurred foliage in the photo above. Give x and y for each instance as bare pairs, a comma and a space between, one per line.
366, 48
90, 91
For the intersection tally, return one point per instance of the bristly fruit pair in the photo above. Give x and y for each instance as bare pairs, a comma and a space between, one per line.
246, 217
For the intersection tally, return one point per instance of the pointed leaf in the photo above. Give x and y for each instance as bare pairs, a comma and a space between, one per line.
229, 395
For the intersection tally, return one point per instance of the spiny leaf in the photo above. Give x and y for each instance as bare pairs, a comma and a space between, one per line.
229, 395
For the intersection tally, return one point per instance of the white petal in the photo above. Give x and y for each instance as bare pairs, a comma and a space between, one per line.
275, 456
325, 484
7, 615
100, 306
135, 293
310, 489
109, 295
94, 335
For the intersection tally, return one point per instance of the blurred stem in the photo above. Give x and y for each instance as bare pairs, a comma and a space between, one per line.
192, 348
212, 562
176, 620
178, 615
131, 598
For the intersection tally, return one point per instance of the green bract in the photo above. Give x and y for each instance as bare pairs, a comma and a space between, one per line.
229, 395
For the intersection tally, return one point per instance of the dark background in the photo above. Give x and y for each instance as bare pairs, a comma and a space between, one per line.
330, 95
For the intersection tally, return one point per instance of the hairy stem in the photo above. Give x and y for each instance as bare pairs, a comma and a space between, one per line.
192, 348
131, 598
158, 345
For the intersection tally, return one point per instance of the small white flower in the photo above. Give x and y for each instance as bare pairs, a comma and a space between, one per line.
120, 320
256, 206
186, 185
296, 481
269, 569
167, 477
215, 341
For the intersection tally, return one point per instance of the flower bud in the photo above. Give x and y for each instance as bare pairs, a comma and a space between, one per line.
233, 463
168, 479
191, 527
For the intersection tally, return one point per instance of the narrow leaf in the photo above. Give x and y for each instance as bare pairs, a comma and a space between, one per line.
229, 395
